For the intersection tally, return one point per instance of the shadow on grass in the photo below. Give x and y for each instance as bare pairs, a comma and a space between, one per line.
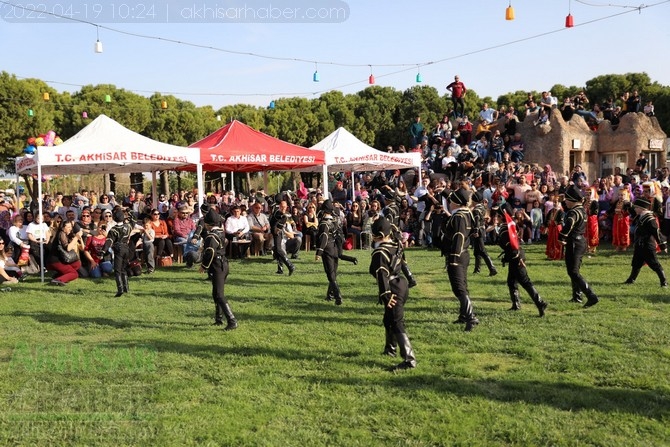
209, 351
563, 396
71, 320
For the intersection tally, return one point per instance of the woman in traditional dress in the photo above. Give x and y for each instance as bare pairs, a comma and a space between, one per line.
592, 234
621, 221
554, 223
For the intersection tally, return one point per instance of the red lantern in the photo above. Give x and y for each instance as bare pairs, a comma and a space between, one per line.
569, 21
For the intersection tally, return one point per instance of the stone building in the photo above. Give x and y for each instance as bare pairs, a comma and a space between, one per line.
565, 144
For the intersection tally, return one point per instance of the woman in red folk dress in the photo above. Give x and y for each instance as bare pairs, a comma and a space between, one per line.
592, 224
554, 223
621, 221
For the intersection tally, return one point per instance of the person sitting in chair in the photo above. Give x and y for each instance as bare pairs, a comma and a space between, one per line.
237, 229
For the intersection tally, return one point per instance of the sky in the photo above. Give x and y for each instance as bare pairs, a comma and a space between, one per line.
393, 40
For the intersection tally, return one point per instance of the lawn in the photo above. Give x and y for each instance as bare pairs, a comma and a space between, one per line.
80, 367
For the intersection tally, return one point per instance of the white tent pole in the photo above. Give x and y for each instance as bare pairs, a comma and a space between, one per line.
154, 196
326, 194
353, 191
232, 183
39, 208
201, 188
16, 204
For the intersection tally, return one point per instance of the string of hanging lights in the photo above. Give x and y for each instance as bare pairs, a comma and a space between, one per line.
509, 15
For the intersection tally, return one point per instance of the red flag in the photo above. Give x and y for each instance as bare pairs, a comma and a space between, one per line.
511, 231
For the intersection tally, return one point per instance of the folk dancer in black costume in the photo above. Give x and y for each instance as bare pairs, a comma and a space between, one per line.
214, 262
456, 240
393, 292
479, 215
326, 250
516, 257
339, 236
200, 231
278, 222
572, 236
647, 235
392, 213
118, 237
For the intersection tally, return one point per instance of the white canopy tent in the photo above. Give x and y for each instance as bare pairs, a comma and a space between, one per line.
345, 152
104, 147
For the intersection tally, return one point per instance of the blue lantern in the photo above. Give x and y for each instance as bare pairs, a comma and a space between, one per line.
29, 150
272, 105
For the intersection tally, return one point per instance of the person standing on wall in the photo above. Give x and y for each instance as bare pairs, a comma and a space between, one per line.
458, 90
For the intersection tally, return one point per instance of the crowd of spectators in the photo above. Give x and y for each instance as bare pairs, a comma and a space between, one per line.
485, 155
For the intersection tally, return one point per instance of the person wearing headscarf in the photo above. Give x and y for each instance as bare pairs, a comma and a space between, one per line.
326, 250
479, 215
455, 248
118, 237
647, 237
514, 255
572, 236
393, 292
214, 261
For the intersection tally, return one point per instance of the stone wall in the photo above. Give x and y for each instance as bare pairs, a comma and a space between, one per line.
564, 144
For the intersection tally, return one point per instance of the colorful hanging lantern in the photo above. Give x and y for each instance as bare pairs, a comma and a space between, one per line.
45, 96
371, 79
30, 112
84, 115
316, 77
108, 99
272, 105
569, 21
164, 105
509, 12
419, 78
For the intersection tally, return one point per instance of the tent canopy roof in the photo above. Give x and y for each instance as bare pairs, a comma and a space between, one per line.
345, 152
239, 148
105, 146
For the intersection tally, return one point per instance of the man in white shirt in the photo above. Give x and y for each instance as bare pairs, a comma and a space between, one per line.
488, 114
520, 188
237, 229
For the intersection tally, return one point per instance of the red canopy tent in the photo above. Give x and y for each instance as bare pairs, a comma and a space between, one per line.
237, 147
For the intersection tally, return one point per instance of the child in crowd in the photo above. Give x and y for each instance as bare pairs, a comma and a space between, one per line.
148, 237
536, 221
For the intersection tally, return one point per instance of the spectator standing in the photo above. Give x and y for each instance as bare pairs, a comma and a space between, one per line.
458, 90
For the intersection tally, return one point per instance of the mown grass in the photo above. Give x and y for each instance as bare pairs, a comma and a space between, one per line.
82, 368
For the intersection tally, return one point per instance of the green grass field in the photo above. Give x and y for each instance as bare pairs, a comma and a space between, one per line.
82, 368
